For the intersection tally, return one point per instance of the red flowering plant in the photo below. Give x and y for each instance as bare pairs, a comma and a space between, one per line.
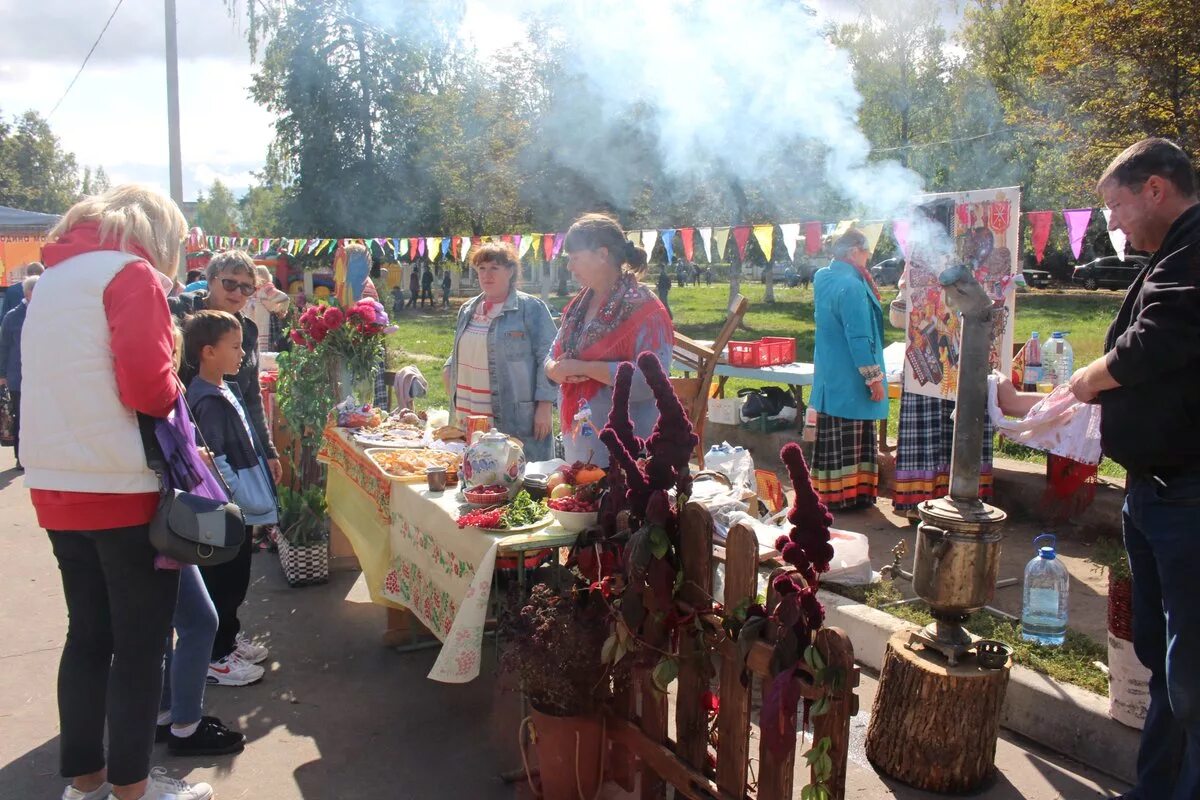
632, 557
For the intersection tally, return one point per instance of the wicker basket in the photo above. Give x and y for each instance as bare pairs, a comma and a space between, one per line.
304, 566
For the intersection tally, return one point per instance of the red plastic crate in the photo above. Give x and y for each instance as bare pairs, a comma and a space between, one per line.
768, 351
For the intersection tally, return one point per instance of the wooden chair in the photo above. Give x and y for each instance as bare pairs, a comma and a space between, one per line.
699, 361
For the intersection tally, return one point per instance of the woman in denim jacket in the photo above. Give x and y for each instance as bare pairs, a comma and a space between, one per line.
501, 340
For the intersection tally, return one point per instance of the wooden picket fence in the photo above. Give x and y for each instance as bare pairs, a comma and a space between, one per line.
637, 725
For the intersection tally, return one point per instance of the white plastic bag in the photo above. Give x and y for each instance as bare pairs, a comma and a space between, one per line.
851, 563
734, 463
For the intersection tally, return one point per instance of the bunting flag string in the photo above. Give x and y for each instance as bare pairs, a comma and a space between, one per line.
547, 246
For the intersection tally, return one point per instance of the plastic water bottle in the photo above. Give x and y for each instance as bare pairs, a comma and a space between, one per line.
584, 430
1033, 364
1066, 358
1044, 604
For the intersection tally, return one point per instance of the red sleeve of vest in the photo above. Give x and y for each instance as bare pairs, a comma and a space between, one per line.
142, 341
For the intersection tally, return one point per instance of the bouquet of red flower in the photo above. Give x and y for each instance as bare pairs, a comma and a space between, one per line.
353, 337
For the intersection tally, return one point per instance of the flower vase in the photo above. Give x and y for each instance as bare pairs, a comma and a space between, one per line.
348, 384
569, 752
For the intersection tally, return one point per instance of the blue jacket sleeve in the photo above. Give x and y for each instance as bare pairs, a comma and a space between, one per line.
543, 335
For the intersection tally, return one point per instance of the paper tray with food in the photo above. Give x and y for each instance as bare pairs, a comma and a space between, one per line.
408, 465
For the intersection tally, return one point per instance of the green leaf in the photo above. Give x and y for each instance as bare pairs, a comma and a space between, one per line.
665, 671
609, 650
811, 756
821, 706
660, 543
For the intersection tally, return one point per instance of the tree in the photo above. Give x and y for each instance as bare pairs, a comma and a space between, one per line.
217, 214
36, 174
261, 210
94, 182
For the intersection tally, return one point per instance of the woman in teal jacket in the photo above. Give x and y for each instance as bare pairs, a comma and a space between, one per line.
849, 392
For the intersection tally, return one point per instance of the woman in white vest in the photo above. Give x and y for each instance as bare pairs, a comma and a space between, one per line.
96, 348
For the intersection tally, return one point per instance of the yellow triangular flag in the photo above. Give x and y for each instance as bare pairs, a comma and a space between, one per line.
526, 243
720, 239
765, 236
635, 237
872, 231
535, 243
433, 247
842, 227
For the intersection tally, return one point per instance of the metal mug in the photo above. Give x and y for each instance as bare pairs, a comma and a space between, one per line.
436, 478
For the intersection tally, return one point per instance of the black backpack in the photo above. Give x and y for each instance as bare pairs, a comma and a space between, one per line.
768, 400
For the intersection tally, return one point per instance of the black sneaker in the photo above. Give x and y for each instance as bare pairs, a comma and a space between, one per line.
210, 739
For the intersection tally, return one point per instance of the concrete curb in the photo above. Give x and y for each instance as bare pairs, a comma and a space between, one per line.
1065, 718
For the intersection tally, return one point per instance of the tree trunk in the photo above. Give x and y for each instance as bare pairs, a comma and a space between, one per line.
934, 726
735, 280
769, 281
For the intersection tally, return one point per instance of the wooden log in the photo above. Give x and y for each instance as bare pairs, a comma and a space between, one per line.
688, 782
621, 761
733, 719
691, 717
934, 726
835, 647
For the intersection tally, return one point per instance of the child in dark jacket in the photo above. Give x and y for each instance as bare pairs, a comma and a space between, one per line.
213, 345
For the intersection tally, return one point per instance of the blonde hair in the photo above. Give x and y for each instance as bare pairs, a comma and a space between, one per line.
262, 274
133, 214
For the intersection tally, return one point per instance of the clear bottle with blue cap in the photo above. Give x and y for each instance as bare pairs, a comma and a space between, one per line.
1044, 603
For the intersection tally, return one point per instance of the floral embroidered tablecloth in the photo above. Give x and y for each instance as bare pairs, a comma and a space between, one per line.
441, 573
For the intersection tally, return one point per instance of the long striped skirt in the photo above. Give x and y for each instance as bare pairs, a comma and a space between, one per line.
924, 446
845, 470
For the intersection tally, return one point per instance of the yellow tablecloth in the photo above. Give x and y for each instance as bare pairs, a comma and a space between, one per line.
415, 556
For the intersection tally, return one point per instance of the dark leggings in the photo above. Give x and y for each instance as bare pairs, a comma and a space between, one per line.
227, 586
119, 611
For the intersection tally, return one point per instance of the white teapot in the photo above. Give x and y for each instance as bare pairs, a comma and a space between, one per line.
493, 458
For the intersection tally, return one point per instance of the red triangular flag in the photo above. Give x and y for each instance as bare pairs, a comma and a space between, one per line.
548, 246
741, 235
685, 234
1040, 223
412, 248
812, 238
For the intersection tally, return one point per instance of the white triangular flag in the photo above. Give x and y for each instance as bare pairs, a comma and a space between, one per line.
648, 240
706, 240
526, 243
1117, 237
790, 233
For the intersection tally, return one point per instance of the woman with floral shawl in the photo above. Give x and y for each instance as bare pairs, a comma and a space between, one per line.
612, 319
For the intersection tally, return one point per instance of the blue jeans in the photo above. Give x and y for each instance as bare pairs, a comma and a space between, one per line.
1162, 535
186, 671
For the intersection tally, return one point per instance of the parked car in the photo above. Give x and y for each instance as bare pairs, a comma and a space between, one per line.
888, 271
1109, 272
1036, 278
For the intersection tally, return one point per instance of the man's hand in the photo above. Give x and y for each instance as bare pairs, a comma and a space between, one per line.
276, 469
1081, 387
542, 420
876, 390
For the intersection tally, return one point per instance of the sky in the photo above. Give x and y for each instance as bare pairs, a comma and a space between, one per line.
115, 115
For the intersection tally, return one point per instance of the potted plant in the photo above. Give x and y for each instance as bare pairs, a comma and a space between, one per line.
554, 643
303, 538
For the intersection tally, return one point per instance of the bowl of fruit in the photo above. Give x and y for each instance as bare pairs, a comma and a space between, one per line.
575, 495
492, 494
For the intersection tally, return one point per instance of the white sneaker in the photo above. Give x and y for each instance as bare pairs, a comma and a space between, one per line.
232, 671
101, 793
250, 652
161, 786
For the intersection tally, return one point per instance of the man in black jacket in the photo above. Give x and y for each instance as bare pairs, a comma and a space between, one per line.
1148, 386
230, 284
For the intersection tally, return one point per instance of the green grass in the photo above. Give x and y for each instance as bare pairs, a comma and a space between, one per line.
425, 338
1073, 662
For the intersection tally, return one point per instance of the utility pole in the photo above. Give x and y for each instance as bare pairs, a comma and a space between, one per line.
173, 103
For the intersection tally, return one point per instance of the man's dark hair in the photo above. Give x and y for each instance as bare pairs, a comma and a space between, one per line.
204, 329
1151, 157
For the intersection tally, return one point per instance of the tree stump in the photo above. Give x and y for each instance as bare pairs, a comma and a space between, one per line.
934, 726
